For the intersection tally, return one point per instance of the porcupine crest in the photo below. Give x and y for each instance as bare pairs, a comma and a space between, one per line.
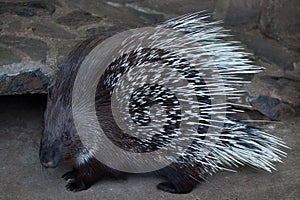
168, 90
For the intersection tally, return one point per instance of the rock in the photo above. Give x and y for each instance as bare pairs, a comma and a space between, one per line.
116, 13
7, 56
14, 26
280, 20
275, 97
35, 49
220, 9
33, 81
172, 8
274, 108
243, 13
51, 30
1, 23
28, 8
106, 31
78, 18
268, 50
238, 14
122, 1
282, 88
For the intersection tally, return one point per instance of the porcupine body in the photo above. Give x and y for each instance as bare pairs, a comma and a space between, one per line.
219, 141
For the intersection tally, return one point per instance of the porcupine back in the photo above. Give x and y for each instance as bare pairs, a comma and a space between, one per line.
235, 143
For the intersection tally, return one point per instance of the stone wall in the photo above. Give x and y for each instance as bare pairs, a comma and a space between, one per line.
270, 29
36, 35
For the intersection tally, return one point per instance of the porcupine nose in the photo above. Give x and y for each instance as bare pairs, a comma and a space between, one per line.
49, 164
49, 158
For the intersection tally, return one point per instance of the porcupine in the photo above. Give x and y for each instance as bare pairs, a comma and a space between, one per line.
237, 144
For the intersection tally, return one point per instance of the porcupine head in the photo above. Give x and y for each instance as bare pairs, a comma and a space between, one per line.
59, 139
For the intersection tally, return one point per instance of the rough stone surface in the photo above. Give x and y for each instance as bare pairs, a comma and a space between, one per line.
280, 20
22, 176
35, 80
106, 31
277, 97
116, 13
78, 18
35, 49
273, 108
268, 50
171, 8
14, 26
28, 8
39, 34
246, 19
1, 23
7, 56
50, 30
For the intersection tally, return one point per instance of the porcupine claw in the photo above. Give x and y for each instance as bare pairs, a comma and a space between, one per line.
69, 175
76, 186
74, 182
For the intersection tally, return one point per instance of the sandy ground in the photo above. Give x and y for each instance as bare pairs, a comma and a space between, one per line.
22, 176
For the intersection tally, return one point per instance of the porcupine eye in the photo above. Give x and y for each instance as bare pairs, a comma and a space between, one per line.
66, 138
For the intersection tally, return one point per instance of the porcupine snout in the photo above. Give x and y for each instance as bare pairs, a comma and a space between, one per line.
50, 155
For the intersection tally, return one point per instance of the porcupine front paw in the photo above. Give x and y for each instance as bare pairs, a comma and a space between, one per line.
74, 182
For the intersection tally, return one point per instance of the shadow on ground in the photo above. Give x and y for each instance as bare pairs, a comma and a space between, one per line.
22, 176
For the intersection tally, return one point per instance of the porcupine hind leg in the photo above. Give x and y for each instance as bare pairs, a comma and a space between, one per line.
88, 173
182, 178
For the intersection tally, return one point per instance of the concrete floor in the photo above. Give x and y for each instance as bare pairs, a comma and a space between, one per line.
22, 176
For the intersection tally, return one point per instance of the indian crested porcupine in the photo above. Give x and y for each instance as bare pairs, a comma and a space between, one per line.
163, 93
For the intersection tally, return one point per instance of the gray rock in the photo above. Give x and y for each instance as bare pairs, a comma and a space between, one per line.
268, 50
280, 20
51, 30
1, 23
243, 13
106, 31
282, 88
274, 96
274, 108
35, 49
122, 1
78, 18
171, 8
14, 26
28, 8
33, 81
220, 9
8, 56
115, 13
